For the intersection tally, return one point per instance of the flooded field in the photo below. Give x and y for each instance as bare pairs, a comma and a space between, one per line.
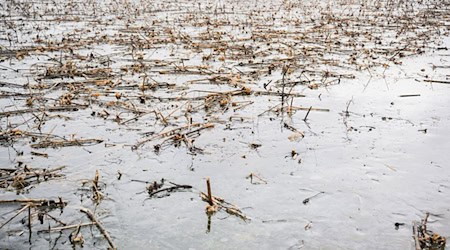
316, 124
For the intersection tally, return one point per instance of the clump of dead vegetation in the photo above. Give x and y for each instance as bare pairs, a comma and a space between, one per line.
24, 177
424, 238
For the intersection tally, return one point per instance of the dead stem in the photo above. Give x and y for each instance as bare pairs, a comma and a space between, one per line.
99, 226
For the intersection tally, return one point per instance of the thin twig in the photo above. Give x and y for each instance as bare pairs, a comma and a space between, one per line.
99, 226
20, 211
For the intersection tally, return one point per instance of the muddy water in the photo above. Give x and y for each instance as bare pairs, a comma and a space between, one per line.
373, 160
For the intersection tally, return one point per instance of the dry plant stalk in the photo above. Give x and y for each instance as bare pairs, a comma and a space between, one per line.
216, 204
256, 179
157, 188
100, 227
97, 194
66, 143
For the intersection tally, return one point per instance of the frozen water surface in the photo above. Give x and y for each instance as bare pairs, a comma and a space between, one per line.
372, 153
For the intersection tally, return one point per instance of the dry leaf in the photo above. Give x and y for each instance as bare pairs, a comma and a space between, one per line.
296, 136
